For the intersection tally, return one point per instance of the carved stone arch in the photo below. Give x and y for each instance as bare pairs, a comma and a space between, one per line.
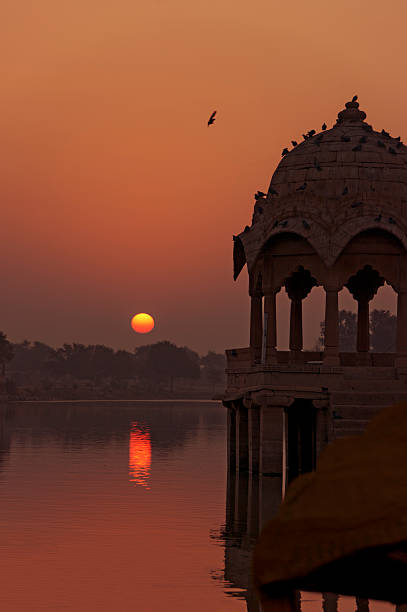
300, 283
351, 228
374, 247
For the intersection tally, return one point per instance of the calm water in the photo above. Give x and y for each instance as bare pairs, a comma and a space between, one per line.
123, 506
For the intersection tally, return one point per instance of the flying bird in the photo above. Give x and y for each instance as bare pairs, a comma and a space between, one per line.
354, 98
211, 118
324, 126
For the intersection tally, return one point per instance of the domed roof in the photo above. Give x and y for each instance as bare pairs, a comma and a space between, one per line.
330, 187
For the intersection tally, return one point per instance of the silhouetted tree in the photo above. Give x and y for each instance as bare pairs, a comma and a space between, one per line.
164, 361
347, 332
383, 330
213, 367
6, 352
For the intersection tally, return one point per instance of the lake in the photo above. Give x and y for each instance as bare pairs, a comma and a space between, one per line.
123, 506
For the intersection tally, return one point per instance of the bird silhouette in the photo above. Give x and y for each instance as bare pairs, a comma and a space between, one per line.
259, 195
311, 133
294, 143
354, 98
305, 136
345, 138
284, 152
381, 144
324, 126
356, 204
302, 187
385, 133
211, 118
306, 224
345, 191
357, 148
392, 151
273, 191
378, 218
246, 229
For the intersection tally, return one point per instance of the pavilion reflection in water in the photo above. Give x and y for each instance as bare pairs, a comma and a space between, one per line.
252, 500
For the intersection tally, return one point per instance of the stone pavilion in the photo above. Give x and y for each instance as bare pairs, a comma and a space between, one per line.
335, 216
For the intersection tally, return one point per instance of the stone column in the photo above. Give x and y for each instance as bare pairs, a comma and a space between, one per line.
401, 356
296, 325
331, 349
256, 325
271, 339
254, 439
363, 338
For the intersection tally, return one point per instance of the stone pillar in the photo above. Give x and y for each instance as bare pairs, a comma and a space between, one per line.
401, 357
363, 338
256, 326
254, 439
296, 326
271, 338
331, 349
231, 442
273, 435
243, 439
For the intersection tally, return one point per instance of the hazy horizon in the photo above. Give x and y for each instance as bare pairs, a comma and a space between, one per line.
117, 198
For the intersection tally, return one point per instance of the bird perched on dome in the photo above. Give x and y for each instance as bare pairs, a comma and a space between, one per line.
385, 133
294, 143
354, 98
284, 152
324, 126
311, 133
259, 195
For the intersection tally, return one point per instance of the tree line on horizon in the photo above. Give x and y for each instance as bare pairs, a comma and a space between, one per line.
154, 366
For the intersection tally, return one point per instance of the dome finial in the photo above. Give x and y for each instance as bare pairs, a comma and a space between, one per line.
351, 112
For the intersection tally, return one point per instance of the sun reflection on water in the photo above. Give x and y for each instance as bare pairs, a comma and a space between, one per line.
139, 455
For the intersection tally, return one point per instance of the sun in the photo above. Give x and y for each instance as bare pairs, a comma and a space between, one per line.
142, 323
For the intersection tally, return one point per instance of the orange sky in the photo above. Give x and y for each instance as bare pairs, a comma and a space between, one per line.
116, 197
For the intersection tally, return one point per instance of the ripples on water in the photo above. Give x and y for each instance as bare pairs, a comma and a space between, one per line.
120, 506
